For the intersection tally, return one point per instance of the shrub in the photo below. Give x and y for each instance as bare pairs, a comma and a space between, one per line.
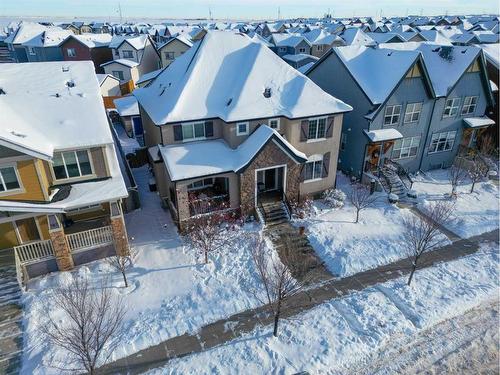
334, 198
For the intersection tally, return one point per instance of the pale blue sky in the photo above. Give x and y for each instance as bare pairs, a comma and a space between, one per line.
240, 9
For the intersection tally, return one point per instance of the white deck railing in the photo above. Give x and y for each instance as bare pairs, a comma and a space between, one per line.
90, 238
34, 251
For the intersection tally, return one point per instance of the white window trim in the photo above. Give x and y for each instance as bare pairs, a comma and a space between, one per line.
313, 159
238, 128
408, 147
263, 169
192, 124
451, 107
392, 115
448, 150
20, 189
412, 112
118, 71
469, 105
73, 52
312, 140
131, 56
31, 51
85, 177
278, 125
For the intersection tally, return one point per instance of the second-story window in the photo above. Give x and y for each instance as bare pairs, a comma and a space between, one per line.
302, 50
128, 54
118, 74
31, 51
412, 113
274, 123
391, 115
192, 131
71, 164
282, 49
9, 179
317, 128
169, 56
71, 52
451, 107
242, 128
469, 106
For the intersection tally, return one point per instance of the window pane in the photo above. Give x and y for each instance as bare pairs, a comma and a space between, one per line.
308, 174
187, 131
313, 124
318, 167
242, 128
10, 178
71, 164
321, 128
58, 167
199, 130
83, 159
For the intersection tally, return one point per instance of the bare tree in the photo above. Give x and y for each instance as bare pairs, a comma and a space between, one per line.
121, 263
89, 327
277, 280
212, 232
361, 198
456, 175
422, 231
476, 171
486, 145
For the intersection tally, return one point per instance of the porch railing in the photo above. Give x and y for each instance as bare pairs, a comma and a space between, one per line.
34, 251
90, 238
209, 204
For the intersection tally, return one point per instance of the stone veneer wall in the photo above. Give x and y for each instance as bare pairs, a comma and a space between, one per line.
271, 155
120, 236
61, 250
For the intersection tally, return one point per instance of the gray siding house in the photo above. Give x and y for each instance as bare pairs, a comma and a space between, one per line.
414, 104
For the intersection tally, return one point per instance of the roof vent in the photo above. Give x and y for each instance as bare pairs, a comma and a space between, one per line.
2, 91
57, 95
70, 83
65, 68
267, 92
464, 50
229, 102
389, 54
18, 134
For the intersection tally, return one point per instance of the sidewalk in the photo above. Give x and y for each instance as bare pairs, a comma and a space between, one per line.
218, 332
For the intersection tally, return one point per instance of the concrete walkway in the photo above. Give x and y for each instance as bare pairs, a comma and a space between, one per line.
217, 333
11, 334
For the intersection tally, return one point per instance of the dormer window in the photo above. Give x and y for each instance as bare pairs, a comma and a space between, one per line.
128, 54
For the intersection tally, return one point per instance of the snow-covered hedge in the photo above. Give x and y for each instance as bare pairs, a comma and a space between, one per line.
334, 198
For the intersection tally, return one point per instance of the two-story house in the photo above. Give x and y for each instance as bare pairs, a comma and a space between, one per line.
173, 48
133, 56
287, 44
45, 46
229, 125
25, 32
415, 104
94, 47
60, 182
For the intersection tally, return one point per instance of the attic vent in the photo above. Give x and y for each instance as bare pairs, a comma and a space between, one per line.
2, 91
65, 68
267, 93
18, 134
464, 51
70, 84
229, 102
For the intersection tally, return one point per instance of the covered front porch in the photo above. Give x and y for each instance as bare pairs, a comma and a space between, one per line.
378, 149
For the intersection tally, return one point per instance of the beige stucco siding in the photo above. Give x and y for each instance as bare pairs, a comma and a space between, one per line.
175, 46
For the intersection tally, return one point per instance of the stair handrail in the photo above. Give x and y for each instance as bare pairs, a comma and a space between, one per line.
287, 204
402, 173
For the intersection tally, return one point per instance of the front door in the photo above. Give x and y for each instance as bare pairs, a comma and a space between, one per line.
270, 179
138, 130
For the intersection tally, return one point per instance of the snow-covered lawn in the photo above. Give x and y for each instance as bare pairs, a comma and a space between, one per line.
348, 247
342, 335
171, 292
473, 214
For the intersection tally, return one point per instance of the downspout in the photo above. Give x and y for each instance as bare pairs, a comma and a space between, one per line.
161, 135
427, 135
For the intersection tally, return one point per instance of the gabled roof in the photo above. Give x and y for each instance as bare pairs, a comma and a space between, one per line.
225, 76
189, 160
91, 40
288, 40
25, 32
149, 76
41, 113
492, 53
124, 62
376, 70
355, 36
137, 42
181, 38
51, 37
127, 106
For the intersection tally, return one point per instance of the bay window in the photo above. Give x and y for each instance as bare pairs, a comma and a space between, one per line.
71, 164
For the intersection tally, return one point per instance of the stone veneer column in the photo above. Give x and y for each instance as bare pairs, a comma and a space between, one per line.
60, 245
119, 230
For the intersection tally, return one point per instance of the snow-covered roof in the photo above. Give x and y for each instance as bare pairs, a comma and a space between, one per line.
381, 135
138, 42
51, 37
102, 77
299, 57
149, 76
25, 32
492, 53
376, 70
127, 106
125, 62
435, 37
92, 40
41, 112
189, 160
288, 40
445, 64
181, 38
304, 68
355, 36
225, 76
81, 195
478, 122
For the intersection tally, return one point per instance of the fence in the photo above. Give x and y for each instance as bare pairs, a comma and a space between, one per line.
90, 238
